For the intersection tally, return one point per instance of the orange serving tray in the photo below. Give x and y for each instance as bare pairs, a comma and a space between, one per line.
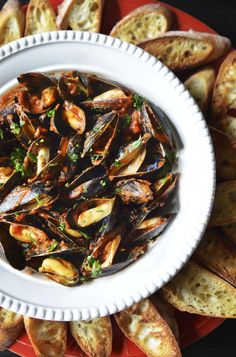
192, 327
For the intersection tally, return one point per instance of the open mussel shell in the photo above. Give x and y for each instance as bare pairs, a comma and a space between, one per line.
70, 150
89, 213
149, 229
134, 191
37, 101
127, 154
74, 86
107, 102
60, 270
90, 182
102, 85
36, 80
28, 198
163, 187
13, 252
98, 139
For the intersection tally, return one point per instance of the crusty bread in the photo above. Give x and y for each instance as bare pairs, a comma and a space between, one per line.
200, 85
145, 327
224, 208
217, 255
230, 231
144, 23
40, 17
11, 326
224, 97
94, 337
82, 15
225, 155
196, 290
181, 50
48, 338
12, 22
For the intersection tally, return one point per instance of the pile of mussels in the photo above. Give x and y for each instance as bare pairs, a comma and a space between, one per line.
87, 169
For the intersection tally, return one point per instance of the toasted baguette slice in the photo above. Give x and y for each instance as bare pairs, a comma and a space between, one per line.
12, 22
144, 23
224, 94
224, 208
223, 104
167, 312
200, 85
217, 255
48, 338
181, 50
225, 155
94, 337
145, 327
40, 17
198, 291
83, 15
230, 231
11, 326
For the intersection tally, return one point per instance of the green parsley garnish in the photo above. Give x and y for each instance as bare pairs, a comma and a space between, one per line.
127, 120
51, 112
95, 157
103, 183
83, 279
73, 156
15, 129
95, 265
136, 143
22, 122
85, 235
66, 184
52, 247
17, 160
137, 101
1, 134
36, 196
117, 163
32, 156
118, 190
62, 226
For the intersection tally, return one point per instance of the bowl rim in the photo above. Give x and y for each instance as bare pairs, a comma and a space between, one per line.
48, 313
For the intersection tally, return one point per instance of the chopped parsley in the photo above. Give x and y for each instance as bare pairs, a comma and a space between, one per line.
36, 196
118, 190
32, 156
53, 246
96, 157
67, 184
1, 134
62, 226
137, 101
72, 156
17, 160
117, 163
103, 183
136, 143
51, 112
95, 265
83, 279
98, 110
22, 123
127, 120
85, 235
15, 128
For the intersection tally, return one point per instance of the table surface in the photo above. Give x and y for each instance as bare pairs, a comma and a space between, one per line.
220, 15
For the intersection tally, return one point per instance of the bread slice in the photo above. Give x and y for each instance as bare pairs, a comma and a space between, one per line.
230, 231
48, 338
82, 15
144, 23
11, 327
145, 327
200, 86
198, 291
225, 155
12, 22
40, 17
217, 255
223, 105
224, 208
181, 50
94, 337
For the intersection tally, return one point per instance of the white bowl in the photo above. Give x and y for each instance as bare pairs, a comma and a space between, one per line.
138, 70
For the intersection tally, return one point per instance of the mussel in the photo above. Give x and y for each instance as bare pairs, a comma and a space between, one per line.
99, 139
134, 190
74, 86
36, 80
60, 270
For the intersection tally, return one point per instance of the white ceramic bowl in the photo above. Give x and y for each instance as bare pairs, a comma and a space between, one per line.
138, 70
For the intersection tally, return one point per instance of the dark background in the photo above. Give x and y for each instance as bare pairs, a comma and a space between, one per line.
221, 16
